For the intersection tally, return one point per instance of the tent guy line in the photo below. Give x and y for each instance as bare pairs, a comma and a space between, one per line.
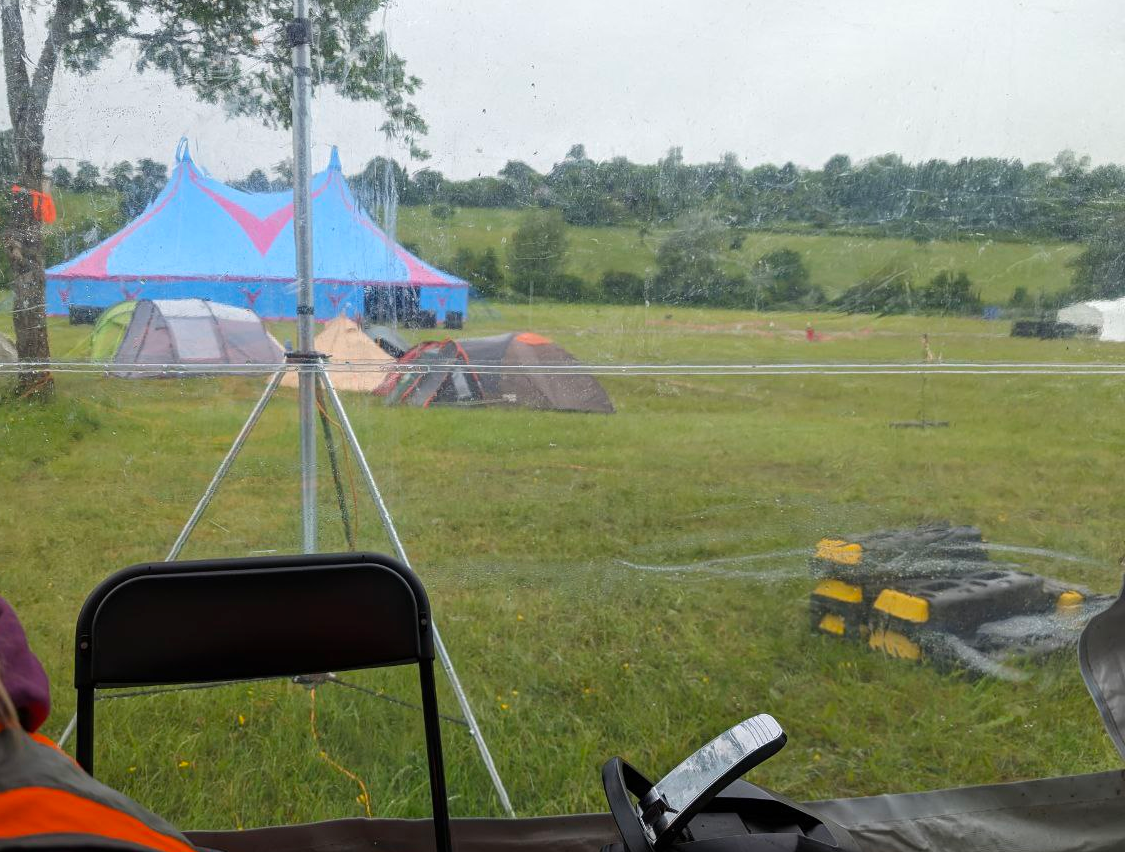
966, 369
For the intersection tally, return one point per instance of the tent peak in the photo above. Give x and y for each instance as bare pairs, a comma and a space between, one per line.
334, 160
183, 153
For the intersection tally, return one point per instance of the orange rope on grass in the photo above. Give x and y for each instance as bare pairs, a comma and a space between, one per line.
364, 798
347, 466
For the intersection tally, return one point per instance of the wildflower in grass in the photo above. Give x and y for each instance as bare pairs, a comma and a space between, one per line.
519, 616
515, 693
183, 764
503, 706
625, 666
132, 769
241, 720
705, 679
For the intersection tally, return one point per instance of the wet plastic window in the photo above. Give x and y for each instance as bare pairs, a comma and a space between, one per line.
793, 389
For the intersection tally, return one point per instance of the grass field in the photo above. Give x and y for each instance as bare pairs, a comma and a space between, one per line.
834, 262
79, 207
593, 575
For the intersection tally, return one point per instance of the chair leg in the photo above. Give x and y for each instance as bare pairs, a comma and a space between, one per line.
84, 742
442, 836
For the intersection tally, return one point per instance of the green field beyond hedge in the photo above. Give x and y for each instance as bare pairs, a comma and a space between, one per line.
834, 262
599, 579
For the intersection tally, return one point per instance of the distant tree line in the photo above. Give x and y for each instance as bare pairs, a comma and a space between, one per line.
136, 185
711, 204
703, 210
1065, 199
885, 196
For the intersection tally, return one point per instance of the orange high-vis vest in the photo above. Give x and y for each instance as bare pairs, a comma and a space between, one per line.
42, 205
48, 802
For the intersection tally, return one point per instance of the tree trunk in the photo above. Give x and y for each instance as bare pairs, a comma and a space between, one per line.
23, 240
23, 234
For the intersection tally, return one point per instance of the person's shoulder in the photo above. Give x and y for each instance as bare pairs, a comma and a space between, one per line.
51, 744
47, 741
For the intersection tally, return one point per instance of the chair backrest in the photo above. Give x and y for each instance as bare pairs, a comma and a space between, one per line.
231, 619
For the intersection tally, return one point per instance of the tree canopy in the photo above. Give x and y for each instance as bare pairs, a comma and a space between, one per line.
882, 196
234, 53
537, 253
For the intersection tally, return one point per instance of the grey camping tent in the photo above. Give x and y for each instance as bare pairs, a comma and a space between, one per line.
165, 333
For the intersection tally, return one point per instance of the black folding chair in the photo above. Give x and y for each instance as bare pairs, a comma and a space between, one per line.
233, 619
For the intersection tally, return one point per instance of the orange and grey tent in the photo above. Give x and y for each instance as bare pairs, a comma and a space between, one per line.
509, 376
346, 344
439, 375
524, 370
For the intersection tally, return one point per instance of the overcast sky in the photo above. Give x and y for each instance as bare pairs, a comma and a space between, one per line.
771, 80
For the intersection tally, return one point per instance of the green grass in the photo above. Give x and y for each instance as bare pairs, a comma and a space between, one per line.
834, 262
102, 206
525, 527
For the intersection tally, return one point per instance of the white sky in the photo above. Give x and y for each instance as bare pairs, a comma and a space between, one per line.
771, 80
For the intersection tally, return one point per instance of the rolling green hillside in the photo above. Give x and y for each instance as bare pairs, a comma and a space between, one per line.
835, 262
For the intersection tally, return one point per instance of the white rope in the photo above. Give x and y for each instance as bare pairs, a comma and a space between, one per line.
968, 368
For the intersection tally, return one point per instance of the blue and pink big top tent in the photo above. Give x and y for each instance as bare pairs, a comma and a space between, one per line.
202, 239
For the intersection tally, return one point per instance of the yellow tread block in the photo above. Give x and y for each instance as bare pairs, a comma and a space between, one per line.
839, 590
1069, 602
904, 606
894, 644
833, 624
839, 551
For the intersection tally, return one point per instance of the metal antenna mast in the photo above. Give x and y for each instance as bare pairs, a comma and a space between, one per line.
300, 39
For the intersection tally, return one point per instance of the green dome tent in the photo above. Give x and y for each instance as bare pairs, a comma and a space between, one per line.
109, 330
